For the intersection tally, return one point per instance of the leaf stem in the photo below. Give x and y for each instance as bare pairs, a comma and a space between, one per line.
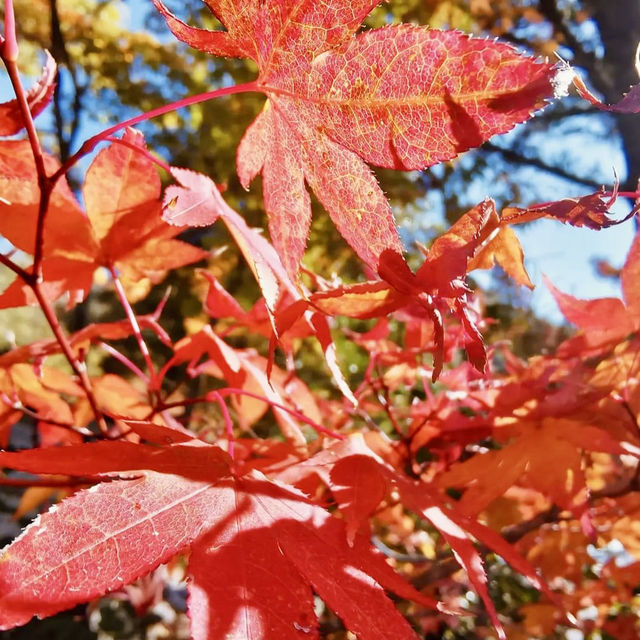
10, 42
145, 152
59, 482
384, 398
78, 368
41, 482
18, 270
227, 421
133, 321
90, 144
226, 391
114, 353
18, 406
46, 185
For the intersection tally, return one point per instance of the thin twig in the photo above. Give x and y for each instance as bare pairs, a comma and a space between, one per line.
227, 421
514, 156
78, 368
114, 353
89, 145
46, 185
18, 270
133, 321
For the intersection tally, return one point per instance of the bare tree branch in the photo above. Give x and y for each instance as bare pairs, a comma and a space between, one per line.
518, 158
581, 57
66, 131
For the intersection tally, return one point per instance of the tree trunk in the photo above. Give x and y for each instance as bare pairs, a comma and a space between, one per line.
619, 26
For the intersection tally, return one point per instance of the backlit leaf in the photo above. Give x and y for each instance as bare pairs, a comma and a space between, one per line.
38, 97
591, 211
401, 96
629, 103
97, 541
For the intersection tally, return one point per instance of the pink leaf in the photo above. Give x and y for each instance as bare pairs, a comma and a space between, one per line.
193, 203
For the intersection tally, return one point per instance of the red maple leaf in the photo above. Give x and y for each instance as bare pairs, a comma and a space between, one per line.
604, 321
349, 468
629, 103
436, 289
121, 192
249, 529
198, 201
402, 97
591, 211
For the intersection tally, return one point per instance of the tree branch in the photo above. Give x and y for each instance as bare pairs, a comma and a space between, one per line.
61, 55
549, 9
513, 533
78, 368
518, 158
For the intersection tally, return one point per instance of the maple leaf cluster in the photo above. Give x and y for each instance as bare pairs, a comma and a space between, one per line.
269, 493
